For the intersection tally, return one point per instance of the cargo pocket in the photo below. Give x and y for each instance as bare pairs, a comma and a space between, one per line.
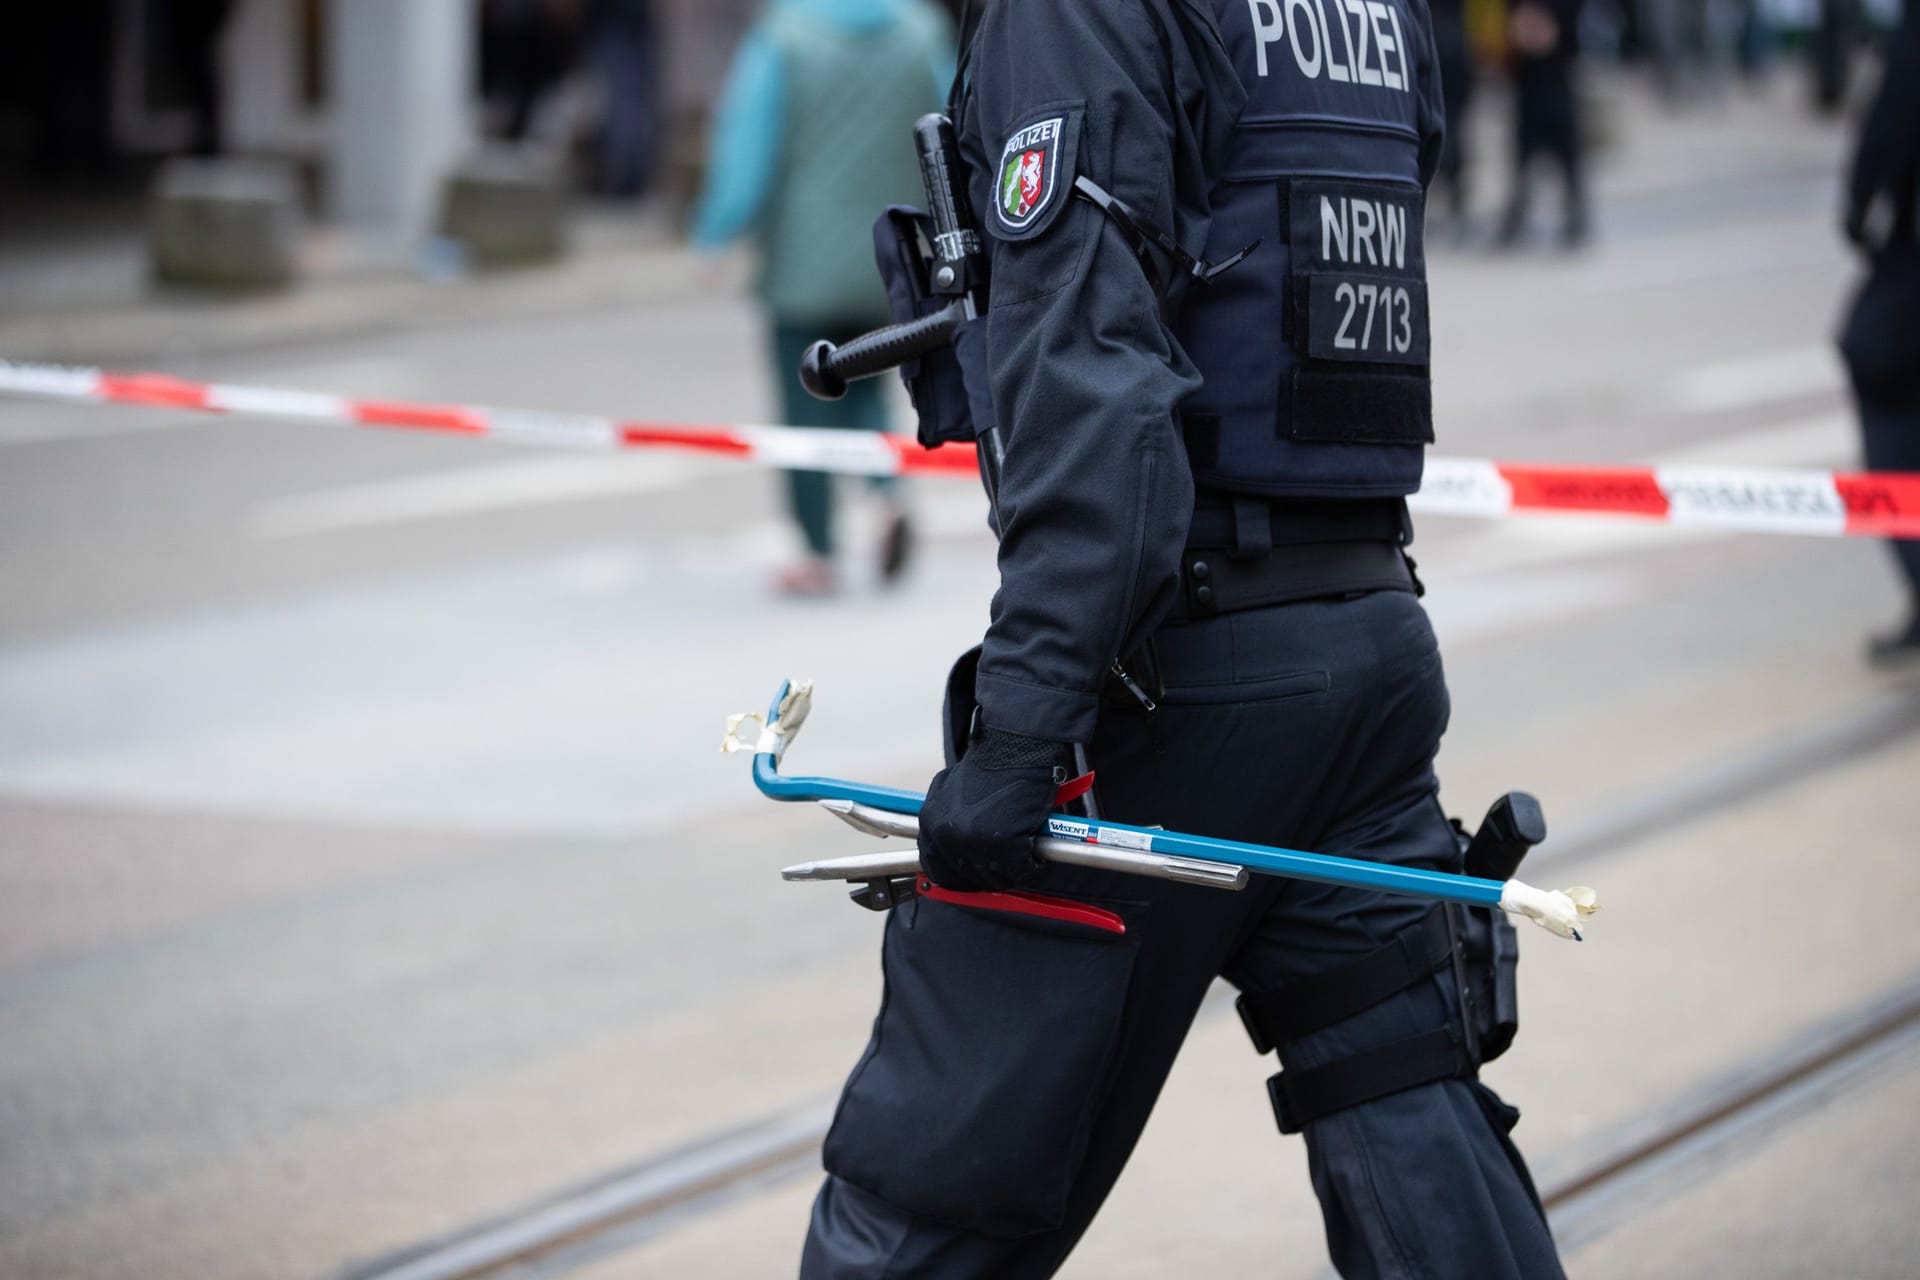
977, 1095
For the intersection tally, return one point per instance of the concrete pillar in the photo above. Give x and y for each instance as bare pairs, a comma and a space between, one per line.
700, 38
265, 112
401, 90
261, 77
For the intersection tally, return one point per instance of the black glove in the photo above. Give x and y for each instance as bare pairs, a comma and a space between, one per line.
981, 815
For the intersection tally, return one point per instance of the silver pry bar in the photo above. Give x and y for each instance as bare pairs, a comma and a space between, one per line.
906, 862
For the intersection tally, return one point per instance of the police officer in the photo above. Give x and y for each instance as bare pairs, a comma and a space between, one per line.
1881, 338
1203, 589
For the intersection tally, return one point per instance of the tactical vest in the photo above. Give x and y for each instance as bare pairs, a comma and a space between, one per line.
1314, 349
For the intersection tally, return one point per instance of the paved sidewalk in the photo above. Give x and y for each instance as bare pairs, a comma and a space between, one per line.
82, 298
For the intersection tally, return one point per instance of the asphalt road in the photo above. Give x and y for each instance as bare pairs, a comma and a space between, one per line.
367, 866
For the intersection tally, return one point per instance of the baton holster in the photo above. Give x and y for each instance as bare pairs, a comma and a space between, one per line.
948, 386
1488, 962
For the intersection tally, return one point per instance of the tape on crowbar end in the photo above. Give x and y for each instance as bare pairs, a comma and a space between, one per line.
761, 734
1560, 912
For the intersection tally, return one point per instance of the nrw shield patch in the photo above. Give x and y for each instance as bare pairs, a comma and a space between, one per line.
1021, 183
1034, 169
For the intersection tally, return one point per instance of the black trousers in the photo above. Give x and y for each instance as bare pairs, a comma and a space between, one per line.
1890, 432
1014, 1061
1546, 122
1880, 342
1456, 91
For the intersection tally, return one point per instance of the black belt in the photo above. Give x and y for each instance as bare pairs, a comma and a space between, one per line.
1215, 582
1248, 525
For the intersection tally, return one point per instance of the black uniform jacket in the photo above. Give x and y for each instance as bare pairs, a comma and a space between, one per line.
1096, 496
1886, 164
1881, 340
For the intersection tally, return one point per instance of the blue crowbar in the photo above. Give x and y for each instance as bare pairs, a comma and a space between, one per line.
1115, 846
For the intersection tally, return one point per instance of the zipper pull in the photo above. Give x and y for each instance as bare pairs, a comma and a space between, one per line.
1133, 687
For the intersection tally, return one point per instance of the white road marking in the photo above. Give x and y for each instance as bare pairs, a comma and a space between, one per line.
1639, 276
571, 693
485, 489
41, 421
1830, 440
1758, 379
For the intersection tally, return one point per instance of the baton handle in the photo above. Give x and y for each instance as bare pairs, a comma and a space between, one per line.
826, 370
956, 244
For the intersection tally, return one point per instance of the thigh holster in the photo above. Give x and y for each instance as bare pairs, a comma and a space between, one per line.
1274, 1018
1480, 945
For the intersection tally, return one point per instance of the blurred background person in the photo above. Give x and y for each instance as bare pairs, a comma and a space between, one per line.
1830, 53
1543, 37
58, 66
1681, 36
527, 47
193, 30
621, 40
1881, 340
814, 136
1455, 54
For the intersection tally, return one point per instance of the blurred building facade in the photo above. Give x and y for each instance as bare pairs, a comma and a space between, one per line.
377, 97
274, 60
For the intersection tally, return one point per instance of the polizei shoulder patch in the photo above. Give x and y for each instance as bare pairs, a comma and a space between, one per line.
1036, 170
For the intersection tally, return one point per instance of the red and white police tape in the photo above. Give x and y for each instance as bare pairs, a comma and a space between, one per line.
1765, 500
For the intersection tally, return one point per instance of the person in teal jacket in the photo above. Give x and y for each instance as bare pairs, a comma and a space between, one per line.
814, 137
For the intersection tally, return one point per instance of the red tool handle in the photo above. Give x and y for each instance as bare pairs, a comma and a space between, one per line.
1027, 904
1073, 789
1034, 904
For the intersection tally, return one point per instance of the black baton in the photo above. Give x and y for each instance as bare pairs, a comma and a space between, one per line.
958, 270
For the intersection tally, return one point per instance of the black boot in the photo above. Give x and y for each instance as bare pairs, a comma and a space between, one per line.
1896, 649
1573, 233
1513, 224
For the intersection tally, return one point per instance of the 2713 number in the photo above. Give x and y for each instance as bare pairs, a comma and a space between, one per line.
1390, 304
